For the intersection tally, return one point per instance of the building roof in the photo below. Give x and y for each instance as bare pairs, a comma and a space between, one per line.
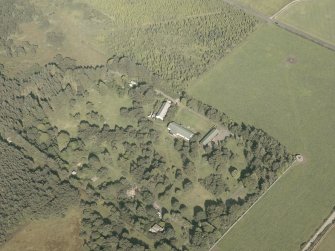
179, 130
133, 83
163, 110
209, 136
156, 228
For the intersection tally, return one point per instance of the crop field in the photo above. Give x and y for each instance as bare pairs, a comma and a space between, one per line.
283, 84
268, 7
328, 243
314, 17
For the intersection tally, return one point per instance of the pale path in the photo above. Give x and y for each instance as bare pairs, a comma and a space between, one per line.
329, 221
260, 197
323, 237
285, 8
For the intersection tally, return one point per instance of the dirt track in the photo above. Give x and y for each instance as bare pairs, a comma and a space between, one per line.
329, 221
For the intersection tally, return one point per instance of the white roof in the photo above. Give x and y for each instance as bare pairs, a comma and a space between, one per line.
163, 110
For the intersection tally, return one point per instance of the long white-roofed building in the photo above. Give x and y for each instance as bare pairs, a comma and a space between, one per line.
180, 131
163, 110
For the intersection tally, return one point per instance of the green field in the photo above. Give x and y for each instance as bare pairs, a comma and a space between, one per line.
314, 17
328, 243
285, 85
193, 121
268, 7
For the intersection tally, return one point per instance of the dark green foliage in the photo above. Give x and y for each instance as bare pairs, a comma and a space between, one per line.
215, 184
29, 191
206, 110
187, 184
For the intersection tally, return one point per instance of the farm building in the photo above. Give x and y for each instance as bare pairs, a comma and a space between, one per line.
209, 136
133, 84
180, 131
156, 228
163, 110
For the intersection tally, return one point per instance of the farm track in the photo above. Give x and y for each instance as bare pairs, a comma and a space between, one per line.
282, 25
328, 222
285, 8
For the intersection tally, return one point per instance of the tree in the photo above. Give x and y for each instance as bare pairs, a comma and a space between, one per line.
215, 184
63, 139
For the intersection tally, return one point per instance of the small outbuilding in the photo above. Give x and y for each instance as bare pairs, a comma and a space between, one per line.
180, 131
212, 133
157, 228
133, 84
163, 110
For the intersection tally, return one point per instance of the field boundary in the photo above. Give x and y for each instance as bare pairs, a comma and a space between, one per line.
320, 233
295, 162
323, 237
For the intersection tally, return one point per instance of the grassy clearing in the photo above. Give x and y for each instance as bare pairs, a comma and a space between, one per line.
314, 17
283, 84
328, 243
80, 35
54, 233
193, 121
268, 7
107, 104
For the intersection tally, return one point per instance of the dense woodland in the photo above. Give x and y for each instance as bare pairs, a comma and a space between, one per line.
127, 181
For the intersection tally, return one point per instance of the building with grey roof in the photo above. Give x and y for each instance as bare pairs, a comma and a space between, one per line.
180, 131
163, 110
212, 133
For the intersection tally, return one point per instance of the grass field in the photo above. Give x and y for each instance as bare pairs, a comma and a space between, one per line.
268, 7
193, 121
328, 243
54, 233
285, 85
314, 17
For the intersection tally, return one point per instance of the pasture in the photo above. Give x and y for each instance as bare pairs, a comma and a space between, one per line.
54, 233
328, 243
283, 84
314, 17
267, 7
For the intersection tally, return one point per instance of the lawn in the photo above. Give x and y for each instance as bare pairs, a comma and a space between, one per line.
285, 85
193, 121
268, 7
314, 17
328, 243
